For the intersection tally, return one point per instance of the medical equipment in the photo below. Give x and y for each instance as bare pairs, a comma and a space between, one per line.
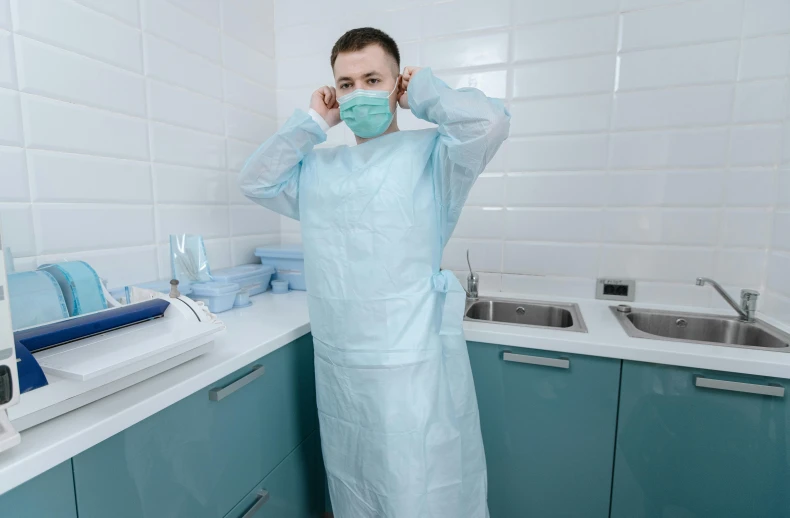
287, 261
9, 383
81, 287
188, 259
220, 296
35, 299
88, 357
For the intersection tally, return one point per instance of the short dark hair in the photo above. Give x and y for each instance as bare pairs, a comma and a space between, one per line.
358, 39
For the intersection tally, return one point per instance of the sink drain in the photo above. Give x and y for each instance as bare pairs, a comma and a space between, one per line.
681, 322
520, 311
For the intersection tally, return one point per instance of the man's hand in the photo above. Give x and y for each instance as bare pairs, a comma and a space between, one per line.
403, 93
324, 101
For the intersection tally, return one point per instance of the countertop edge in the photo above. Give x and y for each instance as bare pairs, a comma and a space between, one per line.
83, 428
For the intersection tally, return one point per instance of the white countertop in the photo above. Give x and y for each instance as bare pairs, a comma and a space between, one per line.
276, 320
270, 323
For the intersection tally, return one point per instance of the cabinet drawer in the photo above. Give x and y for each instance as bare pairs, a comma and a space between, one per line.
49, 495
200, 456
295, 489
695, 444
548, 422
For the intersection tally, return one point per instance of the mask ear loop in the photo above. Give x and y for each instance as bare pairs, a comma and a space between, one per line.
397, 85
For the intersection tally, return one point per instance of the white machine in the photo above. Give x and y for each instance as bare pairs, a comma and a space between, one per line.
89, 357
9, 385
54, 368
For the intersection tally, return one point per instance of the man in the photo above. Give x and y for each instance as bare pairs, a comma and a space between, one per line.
399, 423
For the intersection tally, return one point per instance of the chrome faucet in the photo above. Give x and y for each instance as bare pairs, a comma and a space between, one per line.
472, 281
748, 306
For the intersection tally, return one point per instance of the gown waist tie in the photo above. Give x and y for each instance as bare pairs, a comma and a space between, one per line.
454, 302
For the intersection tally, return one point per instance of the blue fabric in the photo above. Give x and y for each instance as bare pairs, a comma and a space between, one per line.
399, 423
446, 282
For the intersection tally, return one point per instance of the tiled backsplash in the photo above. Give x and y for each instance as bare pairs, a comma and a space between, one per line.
650, 138
777, 303
125, 121
646, 134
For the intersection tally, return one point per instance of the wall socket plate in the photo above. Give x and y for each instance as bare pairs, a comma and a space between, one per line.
623, 290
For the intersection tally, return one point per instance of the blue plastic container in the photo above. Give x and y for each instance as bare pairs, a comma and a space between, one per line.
36, 298
80, 285
288, 262
219, 296
280, 287
251, 277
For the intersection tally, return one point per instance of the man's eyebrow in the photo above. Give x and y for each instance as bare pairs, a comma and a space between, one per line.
369, 74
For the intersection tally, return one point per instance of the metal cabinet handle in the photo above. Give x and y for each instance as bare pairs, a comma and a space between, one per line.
218, 394
734, 386
558, 363
263, 497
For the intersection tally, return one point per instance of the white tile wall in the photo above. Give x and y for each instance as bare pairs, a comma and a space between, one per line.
645, 139
120, 124
777, 300
650, 138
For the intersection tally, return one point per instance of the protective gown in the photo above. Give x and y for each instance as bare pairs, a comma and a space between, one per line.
398, 414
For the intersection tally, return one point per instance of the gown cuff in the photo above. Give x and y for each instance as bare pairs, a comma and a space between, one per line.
319, 120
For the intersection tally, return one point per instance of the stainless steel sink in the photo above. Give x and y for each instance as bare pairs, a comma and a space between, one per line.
701, 328
526, 313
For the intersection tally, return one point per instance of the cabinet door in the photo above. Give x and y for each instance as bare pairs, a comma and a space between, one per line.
548, 423
200, 457
689, 445
295, 489
49, 495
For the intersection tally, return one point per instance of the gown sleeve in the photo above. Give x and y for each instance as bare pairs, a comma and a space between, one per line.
270, 177
471, 129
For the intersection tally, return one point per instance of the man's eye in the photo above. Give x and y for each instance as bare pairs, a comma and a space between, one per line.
374, 81
344, 86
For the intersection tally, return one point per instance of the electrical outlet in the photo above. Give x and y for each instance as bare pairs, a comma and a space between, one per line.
616, 289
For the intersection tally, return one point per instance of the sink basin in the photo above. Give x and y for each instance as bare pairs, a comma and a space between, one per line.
704, 329
527, 313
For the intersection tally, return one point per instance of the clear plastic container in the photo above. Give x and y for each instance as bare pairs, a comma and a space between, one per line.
219, 296
288, 262
251, 277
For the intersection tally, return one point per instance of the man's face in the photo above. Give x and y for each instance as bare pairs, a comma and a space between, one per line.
369, 69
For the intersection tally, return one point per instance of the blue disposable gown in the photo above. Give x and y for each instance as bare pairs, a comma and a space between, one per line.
400, 429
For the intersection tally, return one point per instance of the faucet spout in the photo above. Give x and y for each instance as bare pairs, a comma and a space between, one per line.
748, 305
472, 281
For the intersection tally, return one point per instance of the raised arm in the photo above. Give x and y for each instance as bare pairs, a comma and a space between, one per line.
270, 177
472, 127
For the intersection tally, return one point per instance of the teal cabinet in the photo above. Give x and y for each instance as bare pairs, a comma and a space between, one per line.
690, 444
295, 489
200, 457
548, 423
49, 495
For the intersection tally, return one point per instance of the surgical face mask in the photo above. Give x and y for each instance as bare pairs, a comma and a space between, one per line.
367, 112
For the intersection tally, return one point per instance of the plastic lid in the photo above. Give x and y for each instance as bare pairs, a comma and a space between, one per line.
213, 289
243, 272
280, 251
